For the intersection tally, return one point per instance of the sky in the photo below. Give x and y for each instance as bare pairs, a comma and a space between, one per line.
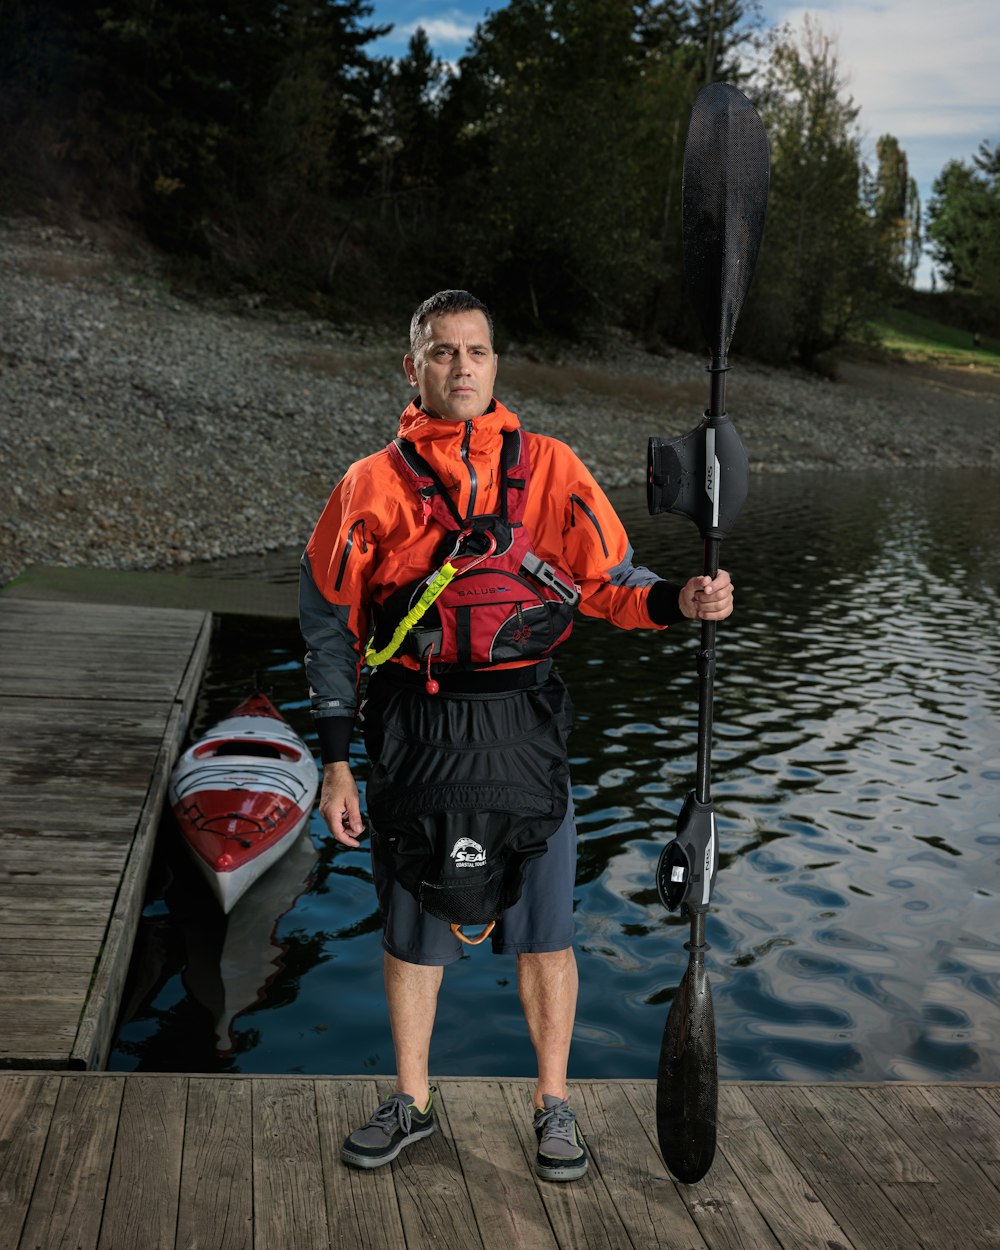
922, 70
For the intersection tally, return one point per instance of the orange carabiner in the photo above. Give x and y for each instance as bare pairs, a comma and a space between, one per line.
491, 540
457, 930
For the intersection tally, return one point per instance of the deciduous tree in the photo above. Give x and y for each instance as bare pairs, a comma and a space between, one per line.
819, 276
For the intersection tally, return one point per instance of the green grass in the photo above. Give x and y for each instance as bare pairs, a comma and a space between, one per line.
913, 337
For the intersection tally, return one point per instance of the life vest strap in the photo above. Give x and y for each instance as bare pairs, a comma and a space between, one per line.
428, 485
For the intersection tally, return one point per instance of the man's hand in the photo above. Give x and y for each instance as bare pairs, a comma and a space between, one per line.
339, 805
707, 598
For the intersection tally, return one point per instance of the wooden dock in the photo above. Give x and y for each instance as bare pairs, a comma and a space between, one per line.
116, 1162
94, 703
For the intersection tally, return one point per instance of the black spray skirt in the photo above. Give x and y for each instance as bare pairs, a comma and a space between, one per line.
465, 789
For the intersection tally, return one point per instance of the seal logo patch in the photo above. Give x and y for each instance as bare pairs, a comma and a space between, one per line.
468, 854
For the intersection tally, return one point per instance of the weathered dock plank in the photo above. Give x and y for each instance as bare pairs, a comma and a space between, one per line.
289, 1194
100, 1011
92, 651
719, 1204
362, 1207
94, 701
433, 1197
144, 1184
110, 1161
26, 1103
850, 1151
963, 1207
509, 1210
216, 1198
68, 1203
635, 1175
781, 1189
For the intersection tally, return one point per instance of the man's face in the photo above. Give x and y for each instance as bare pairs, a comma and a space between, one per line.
454, 366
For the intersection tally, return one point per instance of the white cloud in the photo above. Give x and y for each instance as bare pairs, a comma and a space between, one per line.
442, 30
921, 70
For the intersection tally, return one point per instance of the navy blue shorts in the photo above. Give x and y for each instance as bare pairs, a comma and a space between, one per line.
541, 920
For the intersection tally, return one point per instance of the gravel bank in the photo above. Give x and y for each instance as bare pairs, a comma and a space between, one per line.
143, 429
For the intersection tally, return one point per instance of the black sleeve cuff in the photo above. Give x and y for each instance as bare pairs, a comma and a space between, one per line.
663, 603
334, 734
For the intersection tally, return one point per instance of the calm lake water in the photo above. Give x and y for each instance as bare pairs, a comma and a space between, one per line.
855, 926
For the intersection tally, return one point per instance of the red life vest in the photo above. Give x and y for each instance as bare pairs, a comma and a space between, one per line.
505, 603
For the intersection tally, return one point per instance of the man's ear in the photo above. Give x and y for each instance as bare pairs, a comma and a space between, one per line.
410, 369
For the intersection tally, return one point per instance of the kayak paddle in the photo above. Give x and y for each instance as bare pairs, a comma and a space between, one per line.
703, 475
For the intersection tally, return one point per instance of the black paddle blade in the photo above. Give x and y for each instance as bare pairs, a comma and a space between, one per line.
687, 1081
726, 176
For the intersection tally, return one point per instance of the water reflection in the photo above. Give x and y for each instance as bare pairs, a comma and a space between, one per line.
855, 767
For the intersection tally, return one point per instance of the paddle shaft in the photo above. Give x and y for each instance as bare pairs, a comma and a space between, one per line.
706, 655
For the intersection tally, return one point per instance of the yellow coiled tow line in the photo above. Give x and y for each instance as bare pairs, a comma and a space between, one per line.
435, 586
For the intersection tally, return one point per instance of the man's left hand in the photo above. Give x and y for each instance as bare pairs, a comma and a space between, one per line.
707, 598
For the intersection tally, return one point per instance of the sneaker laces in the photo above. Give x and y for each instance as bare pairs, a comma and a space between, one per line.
395, 1110
557, 1121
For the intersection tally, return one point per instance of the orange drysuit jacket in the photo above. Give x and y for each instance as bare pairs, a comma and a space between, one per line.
374, 537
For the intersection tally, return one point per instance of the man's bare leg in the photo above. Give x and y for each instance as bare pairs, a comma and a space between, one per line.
548, 987
411, 990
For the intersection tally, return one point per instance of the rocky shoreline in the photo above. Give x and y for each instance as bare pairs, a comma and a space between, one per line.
147, 429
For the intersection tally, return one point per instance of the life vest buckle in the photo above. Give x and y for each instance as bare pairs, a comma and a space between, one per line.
546, 575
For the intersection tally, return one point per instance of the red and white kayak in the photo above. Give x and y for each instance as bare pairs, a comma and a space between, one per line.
242, 794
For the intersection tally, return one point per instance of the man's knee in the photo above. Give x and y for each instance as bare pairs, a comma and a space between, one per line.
542, 963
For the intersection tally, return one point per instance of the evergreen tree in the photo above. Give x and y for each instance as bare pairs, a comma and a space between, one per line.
711, 35
568, 120
406, 132
964, 226
715, 32
546, 197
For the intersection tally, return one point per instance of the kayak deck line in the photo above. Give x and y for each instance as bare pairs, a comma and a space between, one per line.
95, 700
148, 1159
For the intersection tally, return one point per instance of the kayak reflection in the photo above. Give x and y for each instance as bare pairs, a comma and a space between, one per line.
231, 978
196, 971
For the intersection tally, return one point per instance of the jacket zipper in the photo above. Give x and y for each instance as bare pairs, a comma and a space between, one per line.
473, 480
574, 500
348, 545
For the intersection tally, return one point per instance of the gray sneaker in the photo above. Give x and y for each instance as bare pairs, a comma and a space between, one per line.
562, 1152
395, 1124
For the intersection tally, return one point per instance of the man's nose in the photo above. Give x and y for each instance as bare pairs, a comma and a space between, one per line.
462, 362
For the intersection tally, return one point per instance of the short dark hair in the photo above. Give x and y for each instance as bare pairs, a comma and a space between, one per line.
446, 302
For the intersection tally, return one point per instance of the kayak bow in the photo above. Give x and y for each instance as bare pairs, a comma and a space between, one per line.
241, 795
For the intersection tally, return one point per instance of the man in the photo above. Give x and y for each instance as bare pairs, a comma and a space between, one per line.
380, 534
